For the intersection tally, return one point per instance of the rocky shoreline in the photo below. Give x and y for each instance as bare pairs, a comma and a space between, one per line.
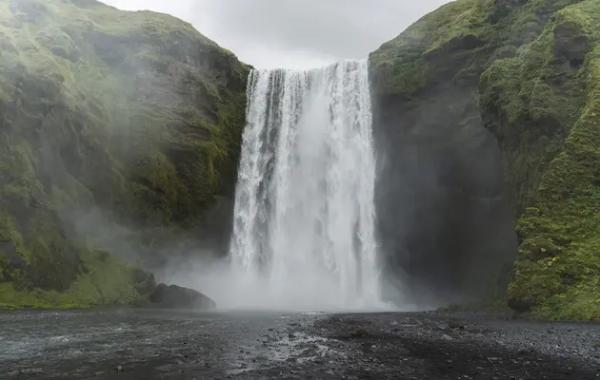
158, 344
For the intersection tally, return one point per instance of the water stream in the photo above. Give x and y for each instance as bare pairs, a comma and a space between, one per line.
304, 212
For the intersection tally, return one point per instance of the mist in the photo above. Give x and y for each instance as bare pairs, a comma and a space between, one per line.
445, 223
429, 200
398, 218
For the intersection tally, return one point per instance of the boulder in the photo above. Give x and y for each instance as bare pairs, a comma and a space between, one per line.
176, 297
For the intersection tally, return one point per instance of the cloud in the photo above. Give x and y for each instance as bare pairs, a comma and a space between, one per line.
293, 33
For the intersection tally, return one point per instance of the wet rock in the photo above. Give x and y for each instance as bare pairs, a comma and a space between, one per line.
359, 333
442, 326
456, 325
176, 297
31, 371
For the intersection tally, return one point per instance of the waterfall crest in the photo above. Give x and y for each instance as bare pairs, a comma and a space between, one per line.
304, 207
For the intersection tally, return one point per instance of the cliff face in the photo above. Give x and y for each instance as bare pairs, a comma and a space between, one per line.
133, 114
494, 104
544, 107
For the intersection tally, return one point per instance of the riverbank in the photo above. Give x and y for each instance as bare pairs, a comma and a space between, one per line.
149, 344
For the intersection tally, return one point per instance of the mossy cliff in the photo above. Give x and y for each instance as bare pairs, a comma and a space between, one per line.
526, 75
135, 114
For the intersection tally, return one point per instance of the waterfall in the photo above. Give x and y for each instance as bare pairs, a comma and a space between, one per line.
304, 208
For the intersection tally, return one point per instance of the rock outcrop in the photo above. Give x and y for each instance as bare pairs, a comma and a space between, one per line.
176, 297
487, 116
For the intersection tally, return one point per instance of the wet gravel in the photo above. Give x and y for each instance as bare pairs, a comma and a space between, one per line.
149, 344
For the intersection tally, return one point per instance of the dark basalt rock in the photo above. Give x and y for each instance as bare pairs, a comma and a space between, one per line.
485, 118
571, 44
176, 297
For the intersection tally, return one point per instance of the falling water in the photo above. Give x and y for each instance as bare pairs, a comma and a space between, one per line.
304, 213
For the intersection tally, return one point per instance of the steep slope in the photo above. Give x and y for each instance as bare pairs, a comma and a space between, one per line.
544, 106
525, 71
444, 222
132, 116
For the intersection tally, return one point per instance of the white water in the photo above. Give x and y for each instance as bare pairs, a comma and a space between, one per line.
304, 211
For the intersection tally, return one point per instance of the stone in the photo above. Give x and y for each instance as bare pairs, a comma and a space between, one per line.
176, 297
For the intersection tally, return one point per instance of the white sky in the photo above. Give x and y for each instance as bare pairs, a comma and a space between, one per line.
293, 33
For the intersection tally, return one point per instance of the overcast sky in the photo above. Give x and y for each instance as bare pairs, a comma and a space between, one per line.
294, 33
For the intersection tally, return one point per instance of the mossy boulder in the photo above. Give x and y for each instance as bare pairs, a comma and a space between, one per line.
132, 113
530, 70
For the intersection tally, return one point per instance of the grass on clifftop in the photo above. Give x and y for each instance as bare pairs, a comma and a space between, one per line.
402, 63
460, 38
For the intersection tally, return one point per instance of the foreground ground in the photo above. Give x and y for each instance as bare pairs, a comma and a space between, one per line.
146, 344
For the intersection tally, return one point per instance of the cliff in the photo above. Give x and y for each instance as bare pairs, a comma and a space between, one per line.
497, 103
133, 116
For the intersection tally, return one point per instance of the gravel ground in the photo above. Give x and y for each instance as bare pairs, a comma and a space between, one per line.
148, 344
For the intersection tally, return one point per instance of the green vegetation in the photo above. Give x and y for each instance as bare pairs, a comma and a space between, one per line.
139, 115
136, 114
409, 63
550, 101
103, 281
457, 42
534, 70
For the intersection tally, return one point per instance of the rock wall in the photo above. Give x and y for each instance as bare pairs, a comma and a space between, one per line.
479, 108
543, 105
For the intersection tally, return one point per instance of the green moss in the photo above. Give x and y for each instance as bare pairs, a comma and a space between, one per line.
548, 102
410, 63
533, 67
136, 114
529, 102
105, 281
12, 253
158, 190
18, 169
54, 261
114, 81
